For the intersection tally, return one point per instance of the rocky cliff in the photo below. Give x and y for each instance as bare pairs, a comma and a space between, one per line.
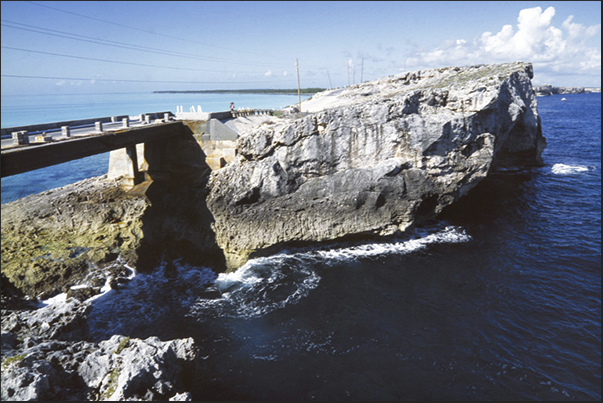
373, 159
370, 160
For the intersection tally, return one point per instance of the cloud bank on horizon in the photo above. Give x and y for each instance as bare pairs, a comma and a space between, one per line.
553, 51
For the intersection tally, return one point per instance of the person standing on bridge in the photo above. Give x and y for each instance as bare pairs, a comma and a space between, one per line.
232, 107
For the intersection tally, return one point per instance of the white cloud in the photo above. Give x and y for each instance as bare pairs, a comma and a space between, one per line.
268, 73
552, 50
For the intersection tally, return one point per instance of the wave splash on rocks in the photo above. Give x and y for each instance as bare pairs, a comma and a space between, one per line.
76, 349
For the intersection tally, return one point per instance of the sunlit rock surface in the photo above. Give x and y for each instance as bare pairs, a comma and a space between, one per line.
374, 158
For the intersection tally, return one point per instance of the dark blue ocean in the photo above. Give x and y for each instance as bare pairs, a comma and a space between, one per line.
497, 299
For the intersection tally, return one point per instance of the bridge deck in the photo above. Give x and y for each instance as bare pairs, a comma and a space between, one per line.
84, 141
26, 158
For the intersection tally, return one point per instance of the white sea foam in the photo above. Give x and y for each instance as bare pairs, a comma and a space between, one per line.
447, 235
563, 169
268, 283
260, 286
148, 298
56, 300
62, 298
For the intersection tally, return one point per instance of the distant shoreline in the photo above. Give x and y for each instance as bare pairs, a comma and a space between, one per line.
256, 91
547, 89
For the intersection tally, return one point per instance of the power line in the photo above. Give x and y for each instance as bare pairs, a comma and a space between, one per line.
115, 61
160, 34
106, 42
140, 81
146, 31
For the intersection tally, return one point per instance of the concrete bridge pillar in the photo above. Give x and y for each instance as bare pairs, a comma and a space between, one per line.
125, 163
98, 126
20, 138
65, 131
125, 122
133, 176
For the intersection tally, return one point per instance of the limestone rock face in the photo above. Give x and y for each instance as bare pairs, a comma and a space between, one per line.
134, 369
120, 368
50, 239
374, 158
82, 233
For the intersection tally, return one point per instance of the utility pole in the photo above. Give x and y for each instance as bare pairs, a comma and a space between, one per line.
361, 70
348, 73
298, 91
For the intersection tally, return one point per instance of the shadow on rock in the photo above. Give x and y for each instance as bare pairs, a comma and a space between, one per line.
177, 223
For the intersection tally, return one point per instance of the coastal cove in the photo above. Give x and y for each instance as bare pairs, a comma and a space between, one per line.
496, 297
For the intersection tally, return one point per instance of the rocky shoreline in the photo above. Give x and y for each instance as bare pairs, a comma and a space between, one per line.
44, 357
65, 247
68, 246
58, 238
370, 160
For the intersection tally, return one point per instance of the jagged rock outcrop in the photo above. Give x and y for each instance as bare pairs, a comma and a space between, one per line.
374, 158
134, 369
120, 368
47, 355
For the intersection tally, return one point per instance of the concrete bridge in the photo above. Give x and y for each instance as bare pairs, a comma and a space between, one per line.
152, 146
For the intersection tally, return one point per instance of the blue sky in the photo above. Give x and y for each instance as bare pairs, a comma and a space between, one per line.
131, 46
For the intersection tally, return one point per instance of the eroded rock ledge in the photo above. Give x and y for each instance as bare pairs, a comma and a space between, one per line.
375, 158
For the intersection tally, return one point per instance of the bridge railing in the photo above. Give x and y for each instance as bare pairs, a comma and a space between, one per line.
249, 112
198, 114
20, 134
6, 132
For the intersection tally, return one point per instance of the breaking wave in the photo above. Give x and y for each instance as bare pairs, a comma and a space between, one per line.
449, 234
261, 286
149, 300
563, 169
268, 283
